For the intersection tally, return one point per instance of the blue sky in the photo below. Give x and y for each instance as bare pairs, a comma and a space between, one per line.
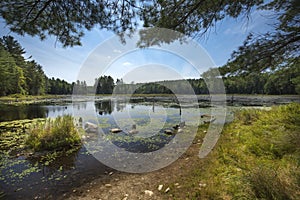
66, 63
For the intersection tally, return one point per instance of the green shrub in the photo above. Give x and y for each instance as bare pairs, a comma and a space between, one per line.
54, 134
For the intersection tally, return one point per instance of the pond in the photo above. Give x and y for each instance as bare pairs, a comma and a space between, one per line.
52, 176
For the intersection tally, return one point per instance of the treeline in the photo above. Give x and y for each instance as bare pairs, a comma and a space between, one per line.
282, 81
20, 76
277, 82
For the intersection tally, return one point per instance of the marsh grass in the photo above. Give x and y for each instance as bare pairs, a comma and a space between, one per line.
54, 134
257, 157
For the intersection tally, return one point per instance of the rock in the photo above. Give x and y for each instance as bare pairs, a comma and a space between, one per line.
125, 197
107, 185
133, 131
180, 130
209, 121
110, 173
90, 127
167, 190
169, 132
115, 130
176, 184
160, 187
206, 115
149, 192
176, 126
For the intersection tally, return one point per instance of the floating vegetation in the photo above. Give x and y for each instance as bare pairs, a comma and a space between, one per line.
139, 144
17, 161
14, 170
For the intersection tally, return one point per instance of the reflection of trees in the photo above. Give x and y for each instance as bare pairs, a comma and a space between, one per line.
80, 105
10, 112
120, 105
104, 107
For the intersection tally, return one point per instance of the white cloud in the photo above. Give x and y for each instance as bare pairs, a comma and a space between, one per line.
117, 51
127, 63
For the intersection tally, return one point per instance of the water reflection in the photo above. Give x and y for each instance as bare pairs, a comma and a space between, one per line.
104, 107
11, 112
71, 170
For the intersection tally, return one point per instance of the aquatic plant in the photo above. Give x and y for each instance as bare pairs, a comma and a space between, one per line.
54, 134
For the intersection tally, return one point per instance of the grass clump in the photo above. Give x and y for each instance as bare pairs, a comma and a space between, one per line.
54, 134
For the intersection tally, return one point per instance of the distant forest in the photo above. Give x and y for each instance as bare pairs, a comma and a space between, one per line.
20, 76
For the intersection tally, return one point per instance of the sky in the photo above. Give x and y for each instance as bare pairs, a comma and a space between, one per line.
101, 50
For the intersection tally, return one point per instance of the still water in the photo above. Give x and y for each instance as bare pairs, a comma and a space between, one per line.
52, 181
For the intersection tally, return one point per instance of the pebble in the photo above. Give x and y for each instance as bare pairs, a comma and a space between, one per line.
107, 185
167, 190
110, 173
202, 184
160, 187
148, 192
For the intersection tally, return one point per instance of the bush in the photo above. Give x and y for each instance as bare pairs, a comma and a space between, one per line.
54, 134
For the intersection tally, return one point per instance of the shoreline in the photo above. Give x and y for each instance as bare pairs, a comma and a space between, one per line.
203, 100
